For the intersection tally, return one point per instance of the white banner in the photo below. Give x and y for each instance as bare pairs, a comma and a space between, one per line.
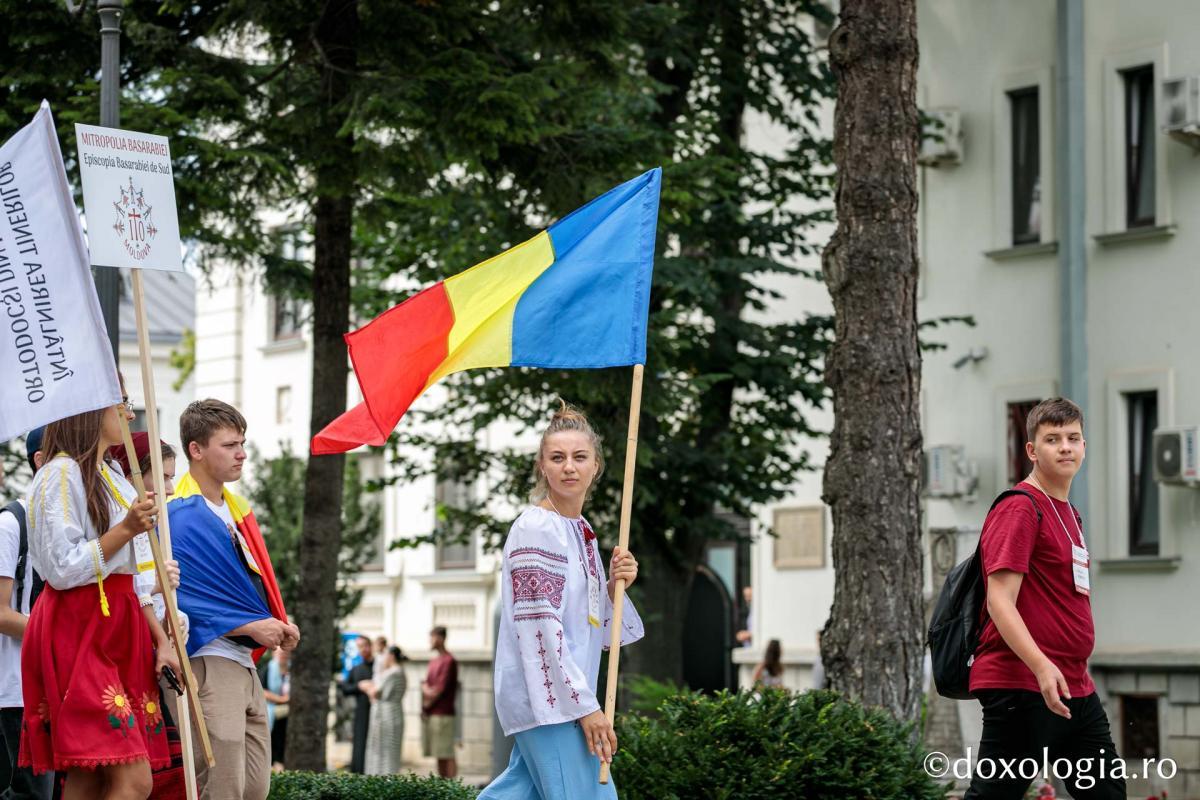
55, 358
129, 198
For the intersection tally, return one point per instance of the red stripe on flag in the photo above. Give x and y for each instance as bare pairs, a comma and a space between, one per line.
394, 355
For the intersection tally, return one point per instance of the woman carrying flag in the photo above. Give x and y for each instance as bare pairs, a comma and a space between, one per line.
92, 647
557, 609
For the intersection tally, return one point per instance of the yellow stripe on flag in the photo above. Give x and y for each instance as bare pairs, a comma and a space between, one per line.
483, 300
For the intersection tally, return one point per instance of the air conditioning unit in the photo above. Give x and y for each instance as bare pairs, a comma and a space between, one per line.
948, 473
1181, 104
1177, 455
941, 137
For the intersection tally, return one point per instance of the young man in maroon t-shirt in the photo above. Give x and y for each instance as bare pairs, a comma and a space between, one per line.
1030, 669
439, 691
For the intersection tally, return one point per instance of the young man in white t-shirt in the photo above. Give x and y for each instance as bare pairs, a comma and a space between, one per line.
213, 435
14, 615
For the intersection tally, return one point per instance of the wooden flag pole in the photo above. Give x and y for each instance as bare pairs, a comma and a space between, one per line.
190, 699
614, 645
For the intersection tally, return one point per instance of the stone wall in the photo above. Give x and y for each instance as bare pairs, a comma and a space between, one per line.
475, 710
1178, 694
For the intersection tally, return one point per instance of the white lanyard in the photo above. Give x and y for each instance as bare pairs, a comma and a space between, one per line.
1066, 531
1080, 559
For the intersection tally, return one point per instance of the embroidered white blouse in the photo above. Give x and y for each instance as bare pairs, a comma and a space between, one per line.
63, 544
548, 653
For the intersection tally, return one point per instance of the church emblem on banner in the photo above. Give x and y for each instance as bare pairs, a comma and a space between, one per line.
134, 221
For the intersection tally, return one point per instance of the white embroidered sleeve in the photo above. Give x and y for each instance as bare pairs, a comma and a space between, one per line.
59, 546
632, 628
538, 570
143, 587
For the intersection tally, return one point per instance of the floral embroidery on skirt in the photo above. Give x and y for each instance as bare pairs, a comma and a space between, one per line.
91, 697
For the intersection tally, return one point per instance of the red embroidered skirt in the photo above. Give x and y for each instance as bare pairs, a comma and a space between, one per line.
91, 698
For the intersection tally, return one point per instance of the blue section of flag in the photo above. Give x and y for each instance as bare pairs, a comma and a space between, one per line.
214, 589
589, 309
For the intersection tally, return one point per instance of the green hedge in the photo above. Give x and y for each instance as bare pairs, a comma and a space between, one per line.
771, 746
347, 786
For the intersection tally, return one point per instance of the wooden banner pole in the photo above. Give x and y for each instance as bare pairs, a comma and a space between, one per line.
189, 701
614, 645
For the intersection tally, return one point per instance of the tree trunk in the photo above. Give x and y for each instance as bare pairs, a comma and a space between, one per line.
321, 536
872, 646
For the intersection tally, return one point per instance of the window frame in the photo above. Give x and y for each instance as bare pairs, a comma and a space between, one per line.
1117, 536
277, 302
440, 560
1114, 66
1018, 100
1040, 78
1126, 745
1134, 472
1004, 395
1011, 458
1134, 155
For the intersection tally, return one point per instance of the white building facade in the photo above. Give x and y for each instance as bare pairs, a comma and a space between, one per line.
1004, 239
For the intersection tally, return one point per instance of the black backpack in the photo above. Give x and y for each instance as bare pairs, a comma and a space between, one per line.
958, 618
17, 510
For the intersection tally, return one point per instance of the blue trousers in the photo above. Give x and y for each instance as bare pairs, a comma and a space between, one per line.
551, 762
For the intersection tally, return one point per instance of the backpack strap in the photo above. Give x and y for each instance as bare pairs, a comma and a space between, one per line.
978, 557
1010, 492
17, 510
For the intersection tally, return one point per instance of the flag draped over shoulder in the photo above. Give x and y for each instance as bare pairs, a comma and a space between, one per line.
54, 353
576, 296
215, 590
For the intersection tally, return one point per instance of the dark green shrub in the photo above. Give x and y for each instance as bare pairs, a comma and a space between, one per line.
811, 746
646, 695
347, 786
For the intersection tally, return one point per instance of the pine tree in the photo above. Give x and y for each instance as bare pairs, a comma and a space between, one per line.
873, 647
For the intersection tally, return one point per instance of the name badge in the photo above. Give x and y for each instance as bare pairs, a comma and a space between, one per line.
143, 553
594, 600
1080, 559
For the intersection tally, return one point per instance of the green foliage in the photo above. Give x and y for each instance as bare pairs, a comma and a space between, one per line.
276, 494
183, 359
731, 372
647, 695
14, 467
776, 744
345, 786
727, 384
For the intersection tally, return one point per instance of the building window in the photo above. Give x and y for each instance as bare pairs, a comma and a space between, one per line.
285, 318
370, 470
455, 615
454, 549
1026, 166
1139, 727
1141, 414
283, 405
1019, 465
1139, 145
294, 254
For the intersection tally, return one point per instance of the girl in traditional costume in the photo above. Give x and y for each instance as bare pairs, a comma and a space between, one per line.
169, 782
92, 647
557, 609
146, 582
